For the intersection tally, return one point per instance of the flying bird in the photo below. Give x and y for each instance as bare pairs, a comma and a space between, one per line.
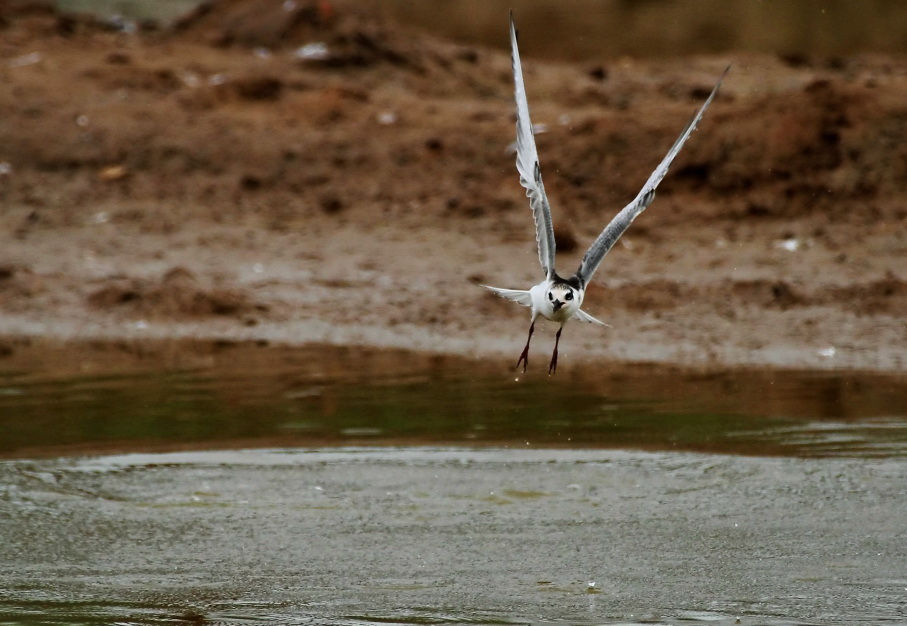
556, 298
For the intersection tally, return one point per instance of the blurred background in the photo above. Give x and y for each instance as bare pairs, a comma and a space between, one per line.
244, 167
642, 28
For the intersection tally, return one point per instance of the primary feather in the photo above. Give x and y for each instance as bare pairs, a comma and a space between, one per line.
527, 164
621, 222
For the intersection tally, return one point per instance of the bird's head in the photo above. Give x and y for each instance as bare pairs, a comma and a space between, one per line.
562, 295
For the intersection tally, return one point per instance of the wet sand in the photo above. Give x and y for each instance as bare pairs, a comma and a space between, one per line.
358, 536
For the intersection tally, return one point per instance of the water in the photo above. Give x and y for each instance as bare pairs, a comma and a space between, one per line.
189, 483
237, 395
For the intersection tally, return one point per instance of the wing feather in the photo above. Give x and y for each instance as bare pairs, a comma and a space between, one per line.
622, 220
523, 297
527, 164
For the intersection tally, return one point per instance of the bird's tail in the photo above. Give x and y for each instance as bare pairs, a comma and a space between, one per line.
585, 317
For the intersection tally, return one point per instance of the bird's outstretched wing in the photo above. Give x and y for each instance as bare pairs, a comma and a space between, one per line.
622, 220
523, 297
527, 164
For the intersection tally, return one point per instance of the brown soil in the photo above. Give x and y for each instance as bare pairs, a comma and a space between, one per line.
217, 180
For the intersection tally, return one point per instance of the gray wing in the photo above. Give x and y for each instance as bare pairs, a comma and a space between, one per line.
622, 220
527, 164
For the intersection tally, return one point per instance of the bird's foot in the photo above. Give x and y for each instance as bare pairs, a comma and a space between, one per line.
524, 359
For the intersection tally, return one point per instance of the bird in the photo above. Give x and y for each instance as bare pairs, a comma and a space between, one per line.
556, 298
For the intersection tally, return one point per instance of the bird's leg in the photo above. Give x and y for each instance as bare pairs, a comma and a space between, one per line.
552, 368
524, 357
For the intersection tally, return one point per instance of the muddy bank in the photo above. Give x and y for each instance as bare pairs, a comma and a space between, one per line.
220, 180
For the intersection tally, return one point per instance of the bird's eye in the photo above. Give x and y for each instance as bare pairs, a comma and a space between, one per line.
550, 297
569, 296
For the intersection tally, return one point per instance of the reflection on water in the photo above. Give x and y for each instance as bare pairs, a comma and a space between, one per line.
243, 395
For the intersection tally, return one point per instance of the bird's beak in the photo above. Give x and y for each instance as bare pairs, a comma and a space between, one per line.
557, 304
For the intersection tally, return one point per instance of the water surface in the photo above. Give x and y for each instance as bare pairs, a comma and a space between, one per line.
452, 536
208, 483
123, 396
